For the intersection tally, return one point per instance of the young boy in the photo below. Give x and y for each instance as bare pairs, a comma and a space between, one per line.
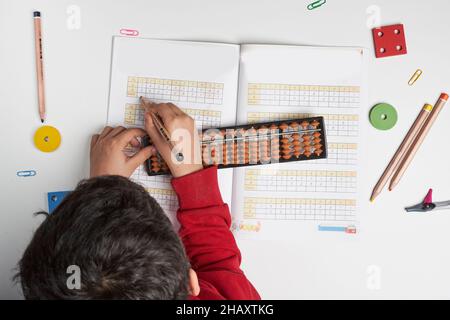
120, 239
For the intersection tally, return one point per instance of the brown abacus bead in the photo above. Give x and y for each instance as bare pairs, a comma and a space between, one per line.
225, 154
286, 157
253, 152
286, 152
285, 141
294, 125
275, 141
254, 157
283, 126
316, 134
297, 154
252, 135
315, 123
275, 157
318, 146
264, 153
297, 148
306, 137
275, 154
318, 152
235, 153
264, 145
207, 156
307, 148
296, 143
242, 160
263, 130
307, 153
295, 136
240, 132
304, 124
317, 140
273, 127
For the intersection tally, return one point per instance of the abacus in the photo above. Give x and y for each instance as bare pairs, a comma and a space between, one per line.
256, 144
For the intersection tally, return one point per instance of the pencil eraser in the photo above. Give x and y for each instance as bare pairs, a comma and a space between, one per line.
444, 96
36, 14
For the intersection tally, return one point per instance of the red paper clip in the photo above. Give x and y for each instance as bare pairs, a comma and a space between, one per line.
129, 32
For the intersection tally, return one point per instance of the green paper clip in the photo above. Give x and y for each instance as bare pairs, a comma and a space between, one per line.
316, 4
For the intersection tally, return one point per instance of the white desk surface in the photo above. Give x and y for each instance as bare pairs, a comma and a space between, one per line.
408, 254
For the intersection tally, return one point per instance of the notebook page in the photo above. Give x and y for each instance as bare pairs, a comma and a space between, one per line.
200, 78
288, 82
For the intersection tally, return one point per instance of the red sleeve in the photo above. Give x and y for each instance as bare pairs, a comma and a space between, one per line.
205, 231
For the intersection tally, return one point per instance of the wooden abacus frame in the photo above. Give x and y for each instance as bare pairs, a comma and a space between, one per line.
257, 144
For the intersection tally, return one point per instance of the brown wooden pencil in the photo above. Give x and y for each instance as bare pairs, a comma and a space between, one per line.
39, 64
417, 142
390, 169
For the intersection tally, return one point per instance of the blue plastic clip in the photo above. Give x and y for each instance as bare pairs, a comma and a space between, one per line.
26, 173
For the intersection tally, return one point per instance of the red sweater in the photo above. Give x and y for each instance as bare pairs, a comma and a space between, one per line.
205, 231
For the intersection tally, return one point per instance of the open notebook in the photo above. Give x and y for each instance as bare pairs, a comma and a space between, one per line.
225, 84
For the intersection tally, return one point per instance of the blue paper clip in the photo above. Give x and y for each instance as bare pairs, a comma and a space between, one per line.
316, 4
26, 173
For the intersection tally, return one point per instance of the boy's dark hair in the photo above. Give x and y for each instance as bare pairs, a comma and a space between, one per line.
118, 236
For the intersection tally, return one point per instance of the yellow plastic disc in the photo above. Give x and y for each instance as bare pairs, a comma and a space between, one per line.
47, 139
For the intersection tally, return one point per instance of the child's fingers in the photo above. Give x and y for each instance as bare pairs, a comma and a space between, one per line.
175, 109
94, 140
141, 156
147, 104
164, 111
126, 136
106, 130
135, 142
116, 131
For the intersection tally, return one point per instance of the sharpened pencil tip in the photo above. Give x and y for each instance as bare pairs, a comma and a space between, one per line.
42, 120
372, 200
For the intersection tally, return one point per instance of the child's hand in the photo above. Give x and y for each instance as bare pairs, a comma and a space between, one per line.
183, 133
107, 152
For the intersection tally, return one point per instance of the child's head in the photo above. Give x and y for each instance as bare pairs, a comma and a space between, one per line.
118, 236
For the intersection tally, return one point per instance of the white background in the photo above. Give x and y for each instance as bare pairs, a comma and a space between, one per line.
397, 255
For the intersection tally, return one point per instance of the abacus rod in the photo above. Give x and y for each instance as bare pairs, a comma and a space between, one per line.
255, 137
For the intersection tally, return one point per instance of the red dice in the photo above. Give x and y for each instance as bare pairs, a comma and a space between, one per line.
389, 41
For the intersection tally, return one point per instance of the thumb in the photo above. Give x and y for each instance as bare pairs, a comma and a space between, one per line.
142, 155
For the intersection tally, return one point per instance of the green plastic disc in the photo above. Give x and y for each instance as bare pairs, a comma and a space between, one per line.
383, 116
